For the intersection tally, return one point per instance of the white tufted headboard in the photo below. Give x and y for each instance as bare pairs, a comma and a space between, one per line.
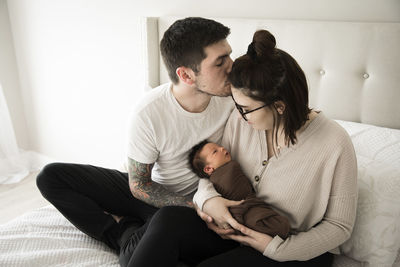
353, 69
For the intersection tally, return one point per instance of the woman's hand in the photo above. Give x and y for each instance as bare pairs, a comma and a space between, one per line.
217, 216
254, 239
212, 226
217, 208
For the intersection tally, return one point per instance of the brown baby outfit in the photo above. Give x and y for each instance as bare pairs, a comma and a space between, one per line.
231, 183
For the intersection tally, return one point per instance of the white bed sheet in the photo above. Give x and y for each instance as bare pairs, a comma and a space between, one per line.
43, 237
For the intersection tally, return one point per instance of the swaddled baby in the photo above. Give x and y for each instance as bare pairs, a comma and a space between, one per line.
209, 160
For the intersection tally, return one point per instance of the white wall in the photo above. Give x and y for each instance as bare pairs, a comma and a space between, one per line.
79, 62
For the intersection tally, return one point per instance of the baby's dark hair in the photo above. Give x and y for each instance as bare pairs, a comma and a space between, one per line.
196, 163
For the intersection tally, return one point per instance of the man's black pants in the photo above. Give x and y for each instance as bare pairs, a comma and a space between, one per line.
84, 194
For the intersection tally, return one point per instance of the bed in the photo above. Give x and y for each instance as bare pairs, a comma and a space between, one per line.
353, 72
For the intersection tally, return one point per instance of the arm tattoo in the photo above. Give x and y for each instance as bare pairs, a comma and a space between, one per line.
145, 189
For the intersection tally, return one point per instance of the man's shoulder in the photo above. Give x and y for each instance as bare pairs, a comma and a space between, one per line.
153, 98
153, 102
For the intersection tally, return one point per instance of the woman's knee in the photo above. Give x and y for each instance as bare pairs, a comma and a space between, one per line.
174, 218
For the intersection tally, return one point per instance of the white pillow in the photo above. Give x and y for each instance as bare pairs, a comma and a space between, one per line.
376, 235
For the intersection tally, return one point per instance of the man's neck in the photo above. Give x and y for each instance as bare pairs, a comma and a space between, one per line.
189, 98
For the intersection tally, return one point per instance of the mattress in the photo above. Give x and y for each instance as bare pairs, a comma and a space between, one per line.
43, 237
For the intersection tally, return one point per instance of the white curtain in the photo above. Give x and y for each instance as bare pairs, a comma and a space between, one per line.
14, 165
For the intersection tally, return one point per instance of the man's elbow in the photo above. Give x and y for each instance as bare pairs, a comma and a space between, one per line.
137, 192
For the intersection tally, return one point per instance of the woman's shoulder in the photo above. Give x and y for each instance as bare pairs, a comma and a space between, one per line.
331, 132
238, 134
237, 125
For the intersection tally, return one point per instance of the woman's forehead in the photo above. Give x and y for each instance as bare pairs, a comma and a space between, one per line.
242, 99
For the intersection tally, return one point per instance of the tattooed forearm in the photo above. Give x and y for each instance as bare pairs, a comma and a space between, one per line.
143, 188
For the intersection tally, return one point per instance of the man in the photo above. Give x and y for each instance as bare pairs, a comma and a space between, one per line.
169, 120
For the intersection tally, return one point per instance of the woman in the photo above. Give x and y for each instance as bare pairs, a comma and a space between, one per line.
299, 161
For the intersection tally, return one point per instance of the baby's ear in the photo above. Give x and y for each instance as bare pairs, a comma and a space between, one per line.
208, 169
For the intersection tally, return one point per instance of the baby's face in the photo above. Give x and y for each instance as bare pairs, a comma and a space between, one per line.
215, 155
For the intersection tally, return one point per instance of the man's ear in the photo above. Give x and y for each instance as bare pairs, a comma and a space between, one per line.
186, 75
280, 107
208, 169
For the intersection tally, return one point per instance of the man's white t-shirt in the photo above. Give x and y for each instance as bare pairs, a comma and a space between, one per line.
162, 132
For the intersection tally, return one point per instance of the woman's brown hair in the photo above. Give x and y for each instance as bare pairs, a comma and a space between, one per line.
268, 74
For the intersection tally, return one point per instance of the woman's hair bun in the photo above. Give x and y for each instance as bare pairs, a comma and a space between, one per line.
264, 44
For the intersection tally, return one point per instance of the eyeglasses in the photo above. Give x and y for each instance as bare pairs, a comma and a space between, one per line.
244, 113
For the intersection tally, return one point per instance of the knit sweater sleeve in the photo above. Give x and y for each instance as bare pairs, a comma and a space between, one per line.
205, 191
338, 221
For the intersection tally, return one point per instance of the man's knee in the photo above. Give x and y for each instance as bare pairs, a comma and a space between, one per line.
47, 177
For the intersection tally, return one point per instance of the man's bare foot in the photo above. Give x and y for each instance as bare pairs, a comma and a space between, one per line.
115, 217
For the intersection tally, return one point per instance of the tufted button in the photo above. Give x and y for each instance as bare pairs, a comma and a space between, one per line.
257, 178
322, 72
264, 162
366, 75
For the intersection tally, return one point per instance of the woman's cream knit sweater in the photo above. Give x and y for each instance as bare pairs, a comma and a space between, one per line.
313, 183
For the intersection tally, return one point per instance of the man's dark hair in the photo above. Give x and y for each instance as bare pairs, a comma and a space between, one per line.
184, 42
196, 163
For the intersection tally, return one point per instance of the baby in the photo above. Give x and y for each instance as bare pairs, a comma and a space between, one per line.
209, 160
